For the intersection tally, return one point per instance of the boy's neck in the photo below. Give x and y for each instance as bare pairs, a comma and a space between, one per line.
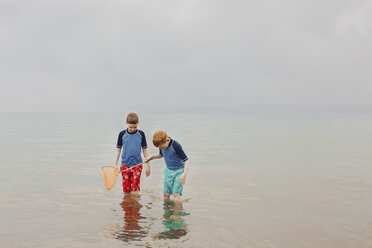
167, 143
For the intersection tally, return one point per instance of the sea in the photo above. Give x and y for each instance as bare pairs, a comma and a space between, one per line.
262, 180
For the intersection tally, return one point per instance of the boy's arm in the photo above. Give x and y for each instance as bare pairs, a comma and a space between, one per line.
117, 155
119, 145
146, 155
183, 176
156, 156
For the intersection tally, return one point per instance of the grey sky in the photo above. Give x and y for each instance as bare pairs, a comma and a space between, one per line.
116, 55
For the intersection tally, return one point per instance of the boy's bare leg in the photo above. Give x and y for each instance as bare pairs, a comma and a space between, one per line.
177, 198
177, 210
166, 197
135, 194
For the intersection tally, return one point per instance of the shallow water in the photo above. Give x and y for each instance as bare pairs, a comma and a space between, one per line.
254, 181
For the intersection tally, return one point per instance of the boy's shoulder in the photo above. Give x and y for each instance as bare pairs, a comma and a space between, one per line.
178, 149
126, 131
123, 132
175, 144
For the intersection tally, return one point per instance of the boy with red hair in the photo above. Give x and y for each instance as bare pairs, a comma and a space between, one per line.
177, 164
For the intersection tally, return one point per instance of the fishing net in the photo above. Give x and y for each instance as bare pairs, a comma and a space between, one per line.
110, 174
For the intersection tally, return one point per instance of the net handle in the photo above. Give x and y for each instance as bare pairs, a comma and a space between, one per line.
132, 167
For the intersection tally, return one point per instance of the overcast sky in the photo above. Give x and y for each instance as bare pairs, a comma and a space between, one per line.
98, 56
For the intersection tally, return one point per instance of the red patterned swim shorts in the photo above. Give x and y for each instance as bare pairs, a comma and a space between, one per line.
131, 178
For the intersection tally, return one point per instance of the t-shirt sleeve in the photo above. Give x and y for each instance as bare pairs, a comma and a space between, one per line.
120, 139
143, 142
178, 148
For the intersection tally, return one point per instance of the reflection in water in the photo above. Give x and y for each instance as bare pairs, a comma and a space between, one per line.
132, 229
174, 224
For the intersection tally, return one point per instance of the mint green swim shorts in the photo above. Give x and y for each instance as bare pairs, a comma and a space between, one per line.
171, 185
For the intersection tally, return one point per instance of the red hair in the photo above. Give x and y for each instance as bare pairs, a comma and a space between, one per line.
159, 138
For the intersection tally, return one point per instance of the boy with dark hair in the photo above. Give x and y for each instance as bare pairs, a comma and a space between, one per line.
130, 143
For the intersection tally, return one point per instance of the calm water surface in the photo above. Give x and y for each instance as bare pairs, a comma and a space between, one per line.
254, 181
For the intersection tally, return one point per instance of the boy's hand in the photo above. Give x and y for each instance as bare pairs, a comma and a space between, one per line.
182, 179
147, 160
148, 170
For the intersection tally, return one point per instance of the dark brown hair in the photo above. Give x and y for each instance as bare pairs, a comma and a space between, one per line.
132, 118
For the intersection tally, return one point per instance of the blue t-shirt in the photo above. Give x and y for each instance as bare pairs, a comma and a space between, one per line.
132, 145
174, 155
